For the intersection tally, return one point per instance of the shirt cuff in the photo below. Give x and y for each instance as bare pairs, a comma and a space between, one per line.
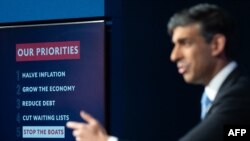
112, 138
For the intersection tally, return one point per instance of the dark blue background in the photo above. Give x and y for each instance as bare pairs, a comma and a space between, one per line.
148, 99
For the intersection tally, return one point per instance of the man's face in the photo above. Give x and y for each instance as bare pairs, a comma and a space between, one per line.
192, 54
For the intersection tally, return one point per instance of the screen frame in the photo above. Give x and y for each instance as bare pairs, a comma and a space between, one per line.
107, 35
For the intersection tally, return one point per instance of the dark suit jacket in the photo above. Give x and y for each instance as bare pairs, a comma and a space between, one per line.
231, 106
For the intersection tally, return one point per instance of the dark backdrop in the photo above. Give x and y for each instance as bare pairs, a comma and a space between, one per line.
149, 100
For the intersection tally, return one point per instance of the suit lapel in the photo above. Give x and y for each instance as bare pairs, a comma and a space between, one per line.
229, 81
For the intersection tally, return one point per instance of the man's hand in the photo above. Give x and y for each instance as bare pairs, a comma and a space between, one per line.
90, 131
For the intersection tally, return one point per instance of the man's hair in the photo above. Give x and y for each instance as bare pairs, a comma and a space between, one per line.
212, 20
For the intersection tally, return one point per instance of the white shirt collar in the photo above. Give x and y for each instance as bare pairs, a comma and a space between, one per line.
213, 87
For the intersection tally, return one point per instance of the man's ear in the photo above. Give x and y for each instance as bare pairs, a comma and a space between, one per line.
218, 44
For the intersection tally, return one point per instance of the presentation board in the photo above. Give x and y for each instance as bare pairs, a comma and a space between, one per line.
50, 72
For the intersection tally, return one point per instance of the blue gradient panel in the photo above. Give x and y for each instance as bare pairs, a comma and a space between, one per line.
33, 10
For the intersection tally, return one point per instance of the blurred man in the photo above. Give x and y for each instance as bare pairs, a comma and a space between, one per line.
203, 52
